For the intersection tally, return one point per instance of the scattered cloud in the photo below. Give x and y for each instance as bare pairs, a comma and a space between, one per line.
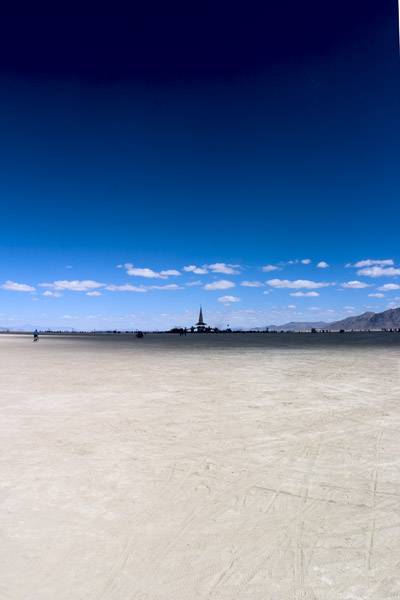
269, 268
355, 285
194, 283
94, 293
370, 262
170, 273
306, 261
75, 285
252, 284
221, 284
143, 272
379, 271
291, 306
51, 294
13, 286
228, 299
149, 273
322, 265
305, 294
224, 268
393, 304
389, 287
297, 283
169, 286
125, 288
196, 270
376, 295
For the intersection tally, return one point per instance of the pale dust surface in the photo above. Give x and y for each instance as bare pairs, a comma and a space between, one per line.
241, 467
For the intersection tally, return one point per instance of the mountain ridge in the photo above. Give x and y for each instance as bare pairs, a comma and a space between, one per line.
388, 319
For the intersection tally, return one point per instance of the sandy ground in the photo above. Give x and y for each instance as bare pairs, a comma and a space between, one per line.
237, 468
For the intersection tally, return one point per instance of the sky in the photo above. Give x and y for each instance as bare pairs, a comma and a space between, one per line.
245, 161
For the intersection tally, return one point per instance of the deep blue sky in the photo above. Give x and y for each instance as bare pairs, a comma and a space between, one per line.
174, 139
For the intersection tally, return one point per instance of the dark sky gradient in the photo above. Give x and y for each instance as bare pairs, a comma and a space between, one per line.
214, 41
219, 134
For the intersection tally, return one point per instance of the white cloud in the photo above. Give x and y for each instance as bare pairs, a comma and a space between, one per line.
355, 285
388, 287
297, 284
252, 284
224, 268
269, 268
194, 283
228, 299
74, 285
196, 270
148, 273
305, 294
306, 261
169, 286
125, 288
291, 306
13, 286
393, 305
377, 295
143, 272
95, 293
52, 294
379, 272
322, 265
170, 273
221, 284
370, 262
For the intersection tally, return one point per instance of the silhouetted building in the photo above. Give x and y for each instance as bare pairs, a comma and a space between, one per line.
200, 325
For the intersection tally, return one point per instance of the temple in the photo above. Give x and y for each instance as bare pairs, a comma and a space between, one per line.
200, 325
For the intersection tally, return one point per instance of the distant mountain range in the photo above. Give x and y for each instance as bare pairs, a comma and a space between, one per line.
297, 326
389, 319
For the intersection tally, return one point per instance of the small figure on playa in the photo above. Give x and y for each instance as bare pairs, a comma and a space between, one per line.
36, 336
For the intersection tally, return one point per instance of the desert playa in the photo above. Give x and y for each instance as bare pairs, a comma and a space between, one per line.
236, 467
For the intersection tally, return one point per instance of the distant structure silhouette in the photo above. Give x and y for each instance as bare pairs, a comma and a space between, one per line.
200, 326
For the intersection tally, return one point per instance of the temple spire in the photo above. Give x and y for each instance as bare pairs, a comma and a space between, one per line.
201, 321
200, 325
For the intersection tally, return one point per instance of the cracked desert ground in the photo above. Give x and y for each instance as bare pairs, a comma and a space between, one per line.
248, 467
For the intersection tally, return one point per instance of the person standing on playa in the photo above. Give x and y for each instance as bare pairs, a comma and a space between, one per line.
36, 336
